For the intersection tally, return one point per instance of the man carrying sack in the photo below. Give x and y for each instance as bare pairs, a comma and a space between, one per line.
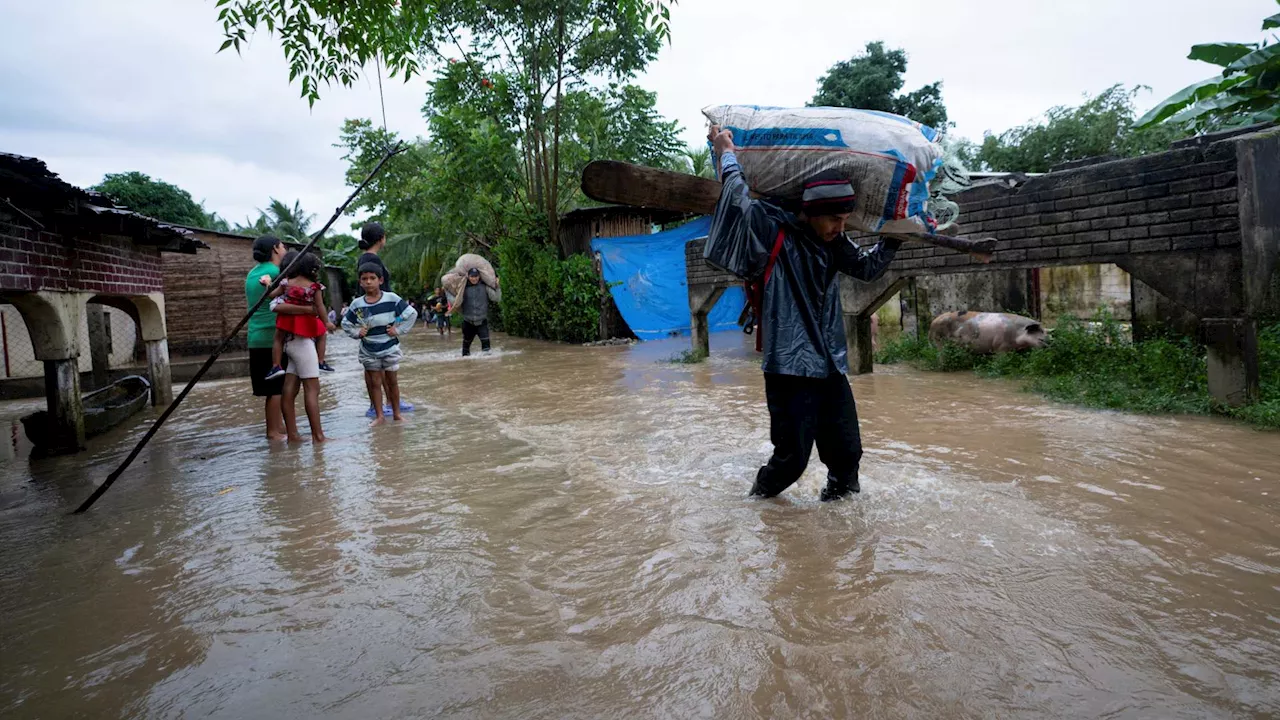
794, 260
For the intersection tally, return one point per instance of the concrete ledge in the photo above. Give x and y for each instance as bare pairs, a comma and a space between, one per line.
182, 370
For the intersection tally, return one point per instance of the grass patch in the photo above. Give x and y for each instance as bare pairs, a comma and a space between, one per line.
1096, 366
688, 357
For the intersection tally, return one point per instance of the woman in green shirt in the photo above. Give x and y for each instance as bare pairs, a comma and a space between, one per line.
268, 251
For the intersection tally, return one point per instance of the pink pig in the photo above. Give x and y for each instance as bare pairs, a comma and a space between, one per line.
987, 333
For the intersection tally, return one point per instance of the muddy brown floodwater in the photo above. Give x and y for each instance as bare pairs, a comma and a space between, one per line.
563, 532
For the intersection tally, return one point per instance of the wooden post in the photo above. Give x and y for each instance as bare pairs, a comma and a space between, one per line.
66, 409
598, 266
159, 372
99, 344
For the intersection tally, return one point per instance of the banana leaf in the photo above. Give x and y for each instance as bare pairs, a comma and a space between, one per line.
1221, 54
1208, 106
1186, 97
1264, 58
1271, 22
1269, 115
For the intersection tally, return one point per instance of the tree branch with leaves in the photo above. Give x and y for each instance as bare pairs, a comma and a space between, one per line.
1246, 92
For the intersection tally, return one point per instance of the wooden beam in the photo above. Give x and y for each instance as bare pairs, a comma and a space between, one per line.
626, 184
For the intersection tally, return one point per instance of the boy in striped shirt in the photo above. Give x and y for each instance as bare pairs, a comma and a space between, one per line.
379, 318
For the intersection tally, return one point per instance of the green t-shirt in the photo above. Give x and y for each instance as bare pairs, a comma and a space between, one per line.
262, 326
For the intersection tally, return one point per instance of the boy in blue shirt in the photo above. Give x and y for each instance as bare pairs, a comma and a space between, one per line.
379, 318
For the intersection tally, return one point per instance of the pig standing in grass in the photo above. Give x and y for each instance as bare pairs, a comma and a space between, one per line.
987, 333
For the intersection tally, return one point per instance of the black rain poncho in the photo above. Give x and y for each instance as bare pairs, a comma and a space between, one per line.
802, 319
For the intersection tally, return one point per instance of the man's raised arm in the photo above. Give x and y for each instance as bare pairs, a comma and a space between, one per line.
864, 264
742, 233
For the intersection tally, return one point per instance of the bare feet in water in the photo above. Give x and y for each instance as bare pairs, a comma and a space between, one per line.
378, 421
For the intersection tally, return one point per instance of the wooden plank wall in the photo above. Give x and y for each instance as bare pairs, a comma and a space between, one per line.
204, 294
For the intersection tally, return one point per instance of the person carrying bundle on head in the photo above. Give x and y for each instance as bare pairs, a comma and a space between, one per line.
793, 260
476, 296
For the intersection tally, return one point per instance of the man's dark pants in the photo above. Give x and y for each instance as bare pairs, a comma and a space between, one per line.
803, 411
470, 331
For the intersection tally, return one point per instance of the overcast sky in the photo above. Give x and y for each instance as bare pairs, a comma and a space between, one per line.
93, 87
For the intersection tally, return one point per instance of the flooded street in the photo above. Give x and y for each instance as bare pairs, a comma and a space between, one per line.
563, 532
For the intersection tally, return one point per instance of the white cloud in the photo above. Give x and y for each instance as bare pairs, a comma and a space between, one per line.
97, 87
137, 85
1002, 62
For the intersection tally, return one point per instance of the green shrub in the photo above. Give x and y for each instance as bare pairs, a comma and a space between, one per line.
545, 297
1097, 366
921, 354
688, 357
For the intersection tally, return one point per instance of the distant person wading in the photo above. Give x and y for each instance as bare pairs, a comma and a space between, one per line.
475, 310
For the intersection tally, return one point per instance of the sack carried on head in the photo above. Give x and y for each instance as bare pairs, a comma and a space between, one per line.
889, 159
455, 280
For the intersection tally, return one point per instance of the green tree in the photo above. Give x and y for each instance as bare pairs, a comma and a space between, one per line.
517, 63
1101, 125
328, 42
535, 68
155, 198
457, 193
515, 140
290, 224
217, 222
340, 250
1247, 91
872, 81
696, 160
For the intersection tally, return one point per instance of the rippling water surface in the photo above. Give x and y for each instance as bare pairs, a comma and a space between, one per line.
562, 532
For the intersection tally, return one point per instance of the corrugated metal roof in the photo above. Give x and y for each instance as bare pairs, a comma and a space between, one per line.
28, 185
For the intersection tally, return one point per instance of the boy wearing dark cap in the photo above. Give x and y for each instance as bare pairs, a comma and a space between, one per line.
475, 310
795, 259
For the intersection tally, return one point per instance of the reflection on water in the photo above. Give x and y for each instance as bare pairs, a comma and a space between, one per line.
560, 531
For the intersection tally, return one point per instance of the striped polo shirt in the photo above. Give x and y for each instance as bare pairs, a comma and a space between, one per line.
389, 309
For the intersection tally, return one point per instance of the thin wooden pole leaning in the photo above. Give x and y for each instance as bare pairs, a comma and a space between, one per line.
133, 454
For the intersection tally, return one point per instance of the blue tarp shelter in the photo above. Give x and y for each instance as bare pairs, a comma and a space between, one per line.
653, 296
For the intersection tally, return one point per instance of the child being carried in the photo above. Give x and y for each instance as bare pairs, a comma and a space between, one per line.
301, 287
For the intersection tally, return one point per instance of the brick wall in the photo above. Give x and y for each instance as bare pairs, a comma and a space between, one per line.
698, 272
32, 260
1178, 200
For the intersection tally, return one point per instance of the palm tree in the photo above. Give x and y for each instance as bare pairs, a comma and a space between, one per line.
257, 227
698, 161
288, 223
